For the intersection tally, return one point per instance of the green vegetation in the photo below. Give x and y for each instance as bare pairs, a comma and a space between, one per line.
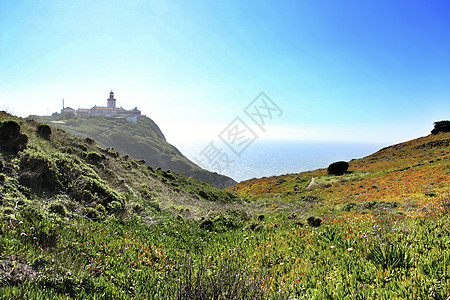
337, 168
84, 222
441, 126
142, 140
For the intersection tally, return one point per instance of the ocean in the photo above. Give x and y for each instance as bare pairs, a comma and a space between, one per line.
269, 158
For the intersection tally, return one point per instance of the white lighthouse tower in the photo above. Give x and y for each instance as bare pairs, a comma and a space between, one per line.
111, 100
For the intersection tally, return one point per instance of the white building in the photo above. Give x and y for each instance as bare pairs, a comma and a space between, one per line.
111, 110
68, 110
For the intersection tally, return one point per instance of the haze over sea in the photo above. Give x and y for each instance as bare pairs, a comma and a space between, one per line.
269, 158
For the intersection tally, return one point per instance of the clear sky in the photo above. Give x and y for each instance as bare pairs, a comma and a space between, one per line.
375, 70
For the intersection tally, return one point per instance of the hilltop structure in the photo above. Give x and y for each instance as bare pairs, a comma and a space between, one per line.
110, 110
68, 110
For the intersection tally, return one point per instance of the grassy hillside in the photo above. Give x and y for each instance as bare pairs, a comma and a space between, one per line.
84, 222
143, 140
416, 171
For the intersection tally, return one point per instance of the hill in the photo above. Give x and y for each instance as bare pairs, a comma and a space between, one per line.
412, 169
80, 221
39, 162
143, 140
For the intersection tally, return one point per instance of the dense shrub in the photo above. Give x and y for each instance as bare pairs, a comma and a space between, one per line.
37, 171
207, 196
94, 157
224, 222
338, 168
68, 173
90, 141
314, 222
11, 139
44, 131
281, 180
441, 126
93, 214
57, 208
168, 175
206, 224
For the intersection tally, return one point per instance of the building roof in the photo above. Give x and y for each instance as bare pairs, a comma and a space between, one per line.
108, 108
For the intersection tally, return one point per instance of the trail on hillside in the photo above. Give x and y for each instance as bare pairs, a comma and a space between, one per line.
311, 183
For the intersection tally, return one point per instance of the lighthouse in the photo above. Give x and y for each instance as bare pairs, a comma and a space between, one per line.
111, 100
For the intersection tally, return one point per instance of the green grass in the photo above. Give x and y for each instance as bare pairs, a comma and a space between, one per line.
175, 257
94, 224
141, 140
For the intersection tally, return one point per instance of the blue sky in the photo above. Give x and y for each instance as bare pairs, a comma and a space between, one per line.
340, 70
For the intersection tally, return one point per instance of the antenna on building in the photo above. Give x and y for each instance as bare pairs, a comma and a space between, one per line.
63, 103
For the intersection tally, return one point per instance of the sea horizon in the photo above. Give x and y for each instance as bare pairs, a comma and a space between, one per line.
274, 158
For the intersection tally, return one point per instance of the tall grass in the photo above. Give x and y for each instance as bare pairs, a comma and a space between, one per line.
228, 280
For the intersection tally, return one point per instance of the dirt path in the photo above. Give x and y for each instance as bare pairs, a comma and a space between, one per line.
311, 183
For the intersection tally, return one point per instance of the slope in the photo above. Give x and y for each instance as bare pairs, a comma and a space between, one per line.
41, 164
143, 140
84, 222
410, 173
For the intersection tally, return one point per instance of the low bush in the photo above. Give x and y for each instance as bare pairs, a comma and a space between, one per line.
11, 139
314, 222
38, 171
338, 168
94, 157
44, 131
441, 126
